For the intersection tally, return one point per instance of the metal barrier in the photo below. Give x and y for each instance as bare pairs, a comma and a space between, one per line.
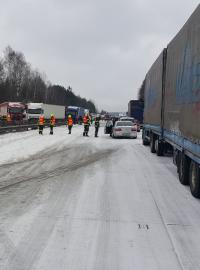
26, 127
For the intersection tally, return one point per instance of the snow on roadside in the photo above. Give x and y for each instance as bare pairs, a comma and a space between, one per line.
18, 146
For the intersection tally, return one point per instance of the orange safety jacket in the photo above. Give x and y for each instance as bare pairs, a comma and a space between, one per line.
8, 118
70, 122
86, 120
52, 120
41, 120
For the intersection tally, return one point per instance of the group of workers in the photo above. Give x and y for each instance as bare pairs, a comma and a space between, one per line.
86, 122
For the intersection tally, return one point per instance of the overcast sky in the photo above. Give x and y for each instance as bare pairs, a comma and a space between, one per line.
101, 48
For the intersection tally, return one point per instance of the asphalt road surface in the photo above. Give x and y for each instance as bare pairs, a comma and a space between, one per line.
93, 204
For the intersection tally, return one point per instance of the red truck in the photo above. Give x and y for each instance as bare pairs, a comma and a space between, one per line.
13, 112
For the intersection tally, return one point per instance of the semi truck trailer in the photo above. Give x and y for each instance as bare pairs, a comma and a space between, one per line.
135, 110
77, 113
13, 113
172, 103
34, 110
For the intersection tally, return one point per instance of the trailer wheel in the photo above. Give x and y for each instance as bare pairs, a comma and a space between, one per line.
183, 169
159, 147
194, 179
145, 142
152, 143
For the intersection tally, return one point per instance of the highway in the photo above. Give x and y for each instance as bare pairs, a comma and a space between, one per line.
77, 203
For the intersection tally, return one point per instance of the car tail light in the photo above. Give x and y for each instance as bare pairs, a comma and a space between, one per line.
118, 129
134, 128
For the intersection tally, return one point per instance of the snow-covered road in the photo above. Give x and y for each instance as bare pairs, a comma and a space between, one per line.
77, 203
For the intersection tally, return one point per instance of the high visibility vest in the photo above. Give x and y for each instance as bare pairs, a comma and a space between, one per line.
52, 121
70, 121
41, 120
86, 120
8, 118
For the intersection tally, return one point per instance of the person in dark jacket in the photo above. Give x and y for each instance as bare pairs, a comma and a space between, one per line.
97, 125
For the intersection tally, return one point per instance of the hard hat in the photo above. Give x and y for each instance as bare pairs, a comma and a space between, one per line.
69, 116
52, 114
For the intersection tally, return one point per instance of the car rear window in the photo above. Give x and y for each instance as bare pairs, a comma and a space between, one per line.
124, 124
127, 119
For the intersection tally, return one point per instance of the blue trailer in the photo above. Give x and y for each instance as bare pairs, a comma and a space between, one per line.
136, 109
77, 113
172, 103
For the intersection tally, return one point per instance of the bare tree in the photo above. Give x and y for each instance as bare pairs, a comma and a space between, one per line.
2, 72
19, 82
16, 70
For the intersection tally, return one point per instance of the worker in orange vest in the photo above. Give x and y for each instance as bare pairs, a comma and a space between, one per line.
41, 124
52, 123
86, 122
70, 123
8, 118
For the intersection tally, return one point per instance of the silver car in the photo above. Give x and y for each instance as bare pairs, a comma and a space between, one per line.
126, 129
126, 118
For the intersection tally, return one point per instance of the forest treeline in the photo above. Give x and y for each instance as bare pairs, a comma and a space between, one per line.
20, 82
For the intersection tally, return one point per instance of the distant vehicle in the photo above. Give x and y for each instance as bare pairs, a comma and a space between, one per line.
108, 127
13, 112
124, 129
126, 118
136, 110
77, 113
34, 110
107, 117
103, 117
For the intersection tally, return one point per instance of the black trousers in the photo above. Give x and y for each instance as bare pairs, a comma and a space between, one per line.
96, 131
41, 127
70, 129
86, 130
51, 129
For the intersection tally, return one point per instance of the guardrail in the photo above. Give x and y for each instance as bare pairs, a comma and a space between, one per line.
25, 127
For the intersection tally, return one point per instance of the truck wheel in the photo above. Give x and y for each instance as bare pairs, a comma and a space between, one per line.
159, 147
152, 143
183, 169
194, 179
145, 142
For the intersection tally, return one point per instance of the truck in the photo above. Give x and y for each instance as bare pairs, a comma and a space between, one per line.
136, 109
34, 110
77, 113
13, 113
172, 103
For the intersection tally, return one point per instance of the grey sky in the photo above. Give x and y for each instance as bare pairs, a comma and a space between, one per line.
102, 48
